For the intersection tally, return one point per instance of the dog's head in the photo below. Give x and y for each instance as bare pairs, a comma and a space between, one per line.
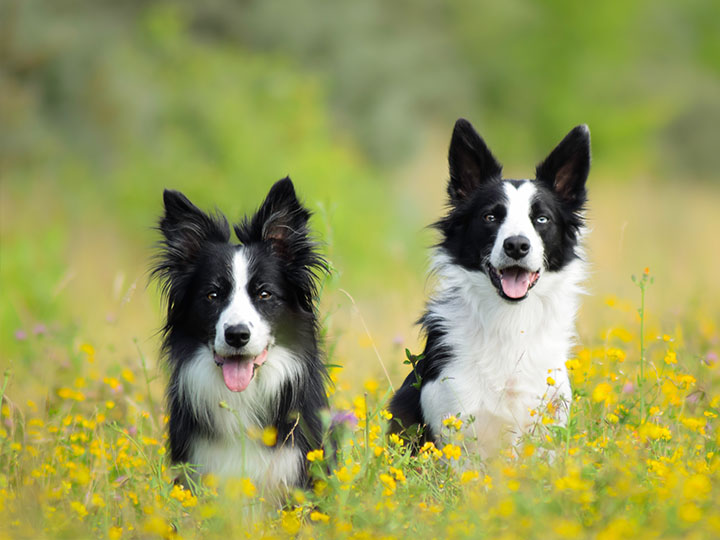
238, 300
514, 230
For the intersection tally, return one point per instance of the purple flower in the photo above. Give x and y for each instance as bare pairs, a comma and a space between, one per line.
39, 329
711, 358
343, 417
628, 388
20, 334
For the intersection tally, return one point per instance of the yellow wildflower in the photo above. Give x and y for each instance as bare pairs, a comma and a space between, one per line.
452, 451
79, 508
315, 455
269, 436
319, 516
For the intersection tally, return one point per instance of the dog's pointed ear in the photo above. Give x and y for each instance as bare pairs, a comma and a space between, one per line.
471, 162
186, 227
566, 169
281, 220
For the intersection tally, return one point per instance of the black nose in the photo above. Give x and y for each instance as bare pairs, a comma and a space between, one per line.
516, 247
237, 335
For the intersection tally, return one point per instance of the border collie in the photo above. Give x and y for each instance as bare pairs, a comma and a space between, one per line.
241, 330
509, 267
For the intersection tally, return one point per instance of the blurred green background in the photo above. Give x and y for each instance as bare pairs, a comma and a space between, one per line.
103, 104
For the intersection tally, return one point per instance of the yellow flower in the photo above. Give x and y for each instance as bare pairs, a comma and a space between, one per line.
112, 382
319, 516
115, 533
603, 393
618, 355
315, 455
269, 436
694, 424
371, 386
398, 474
290, 522
79, 508
128, 375
395, 439
654, 432
344, 475
469, 476
389, 483
89, 350
69, 393
247, 487
430, 450
671, 357
550, 381
452, 421
697, 487
689, 513
452, 451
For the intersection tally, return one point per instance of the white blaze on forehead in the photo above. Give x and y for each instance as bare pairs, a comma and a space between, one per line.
240, 310
518, 222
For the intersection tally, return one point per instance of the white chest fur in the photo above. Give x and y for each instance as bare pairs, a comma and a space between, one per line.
501, 353
233, 453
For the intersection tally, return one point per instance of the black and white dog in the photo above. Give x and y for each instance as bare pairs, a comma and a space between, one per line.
501, 323
241, 329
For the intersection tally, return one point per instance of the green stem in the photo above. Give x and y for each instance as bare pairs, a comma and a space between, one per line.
642, 352
4, 386
147, 379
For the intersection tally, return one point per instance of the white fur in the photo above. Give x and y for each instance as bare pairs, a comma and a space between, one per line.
233, 453
517, 222
240, 310
501, 353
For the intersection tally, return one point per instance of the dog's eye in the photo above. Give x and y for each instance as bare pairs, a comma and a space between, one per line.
264, 294
489, 218
542, 220
212, 296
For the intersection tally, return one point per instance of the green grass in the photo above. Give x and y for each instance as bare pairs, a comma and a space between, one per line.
85, 455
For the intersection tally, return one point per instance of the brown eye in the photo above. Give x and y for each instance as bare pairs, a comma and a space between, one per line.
489, 218
212, 296
264, 295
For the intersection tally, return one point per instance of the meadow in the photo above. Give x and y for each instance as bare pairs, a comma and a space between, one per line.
102, 106
83, 434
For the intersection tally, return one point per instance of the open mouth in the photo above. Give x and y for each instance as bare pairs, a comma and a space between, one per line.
513, 282
239, 370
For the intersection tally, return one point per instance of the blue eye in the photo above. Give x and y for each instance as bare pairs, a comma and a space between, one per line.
542, 220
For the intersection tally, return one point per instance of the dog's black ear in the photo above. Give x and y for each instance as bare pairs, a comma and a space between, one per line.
186, 227
281, 221
471, 162
566, 169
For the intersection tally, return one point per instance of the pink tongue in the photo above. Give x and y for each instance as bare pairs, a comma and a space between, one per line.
515, 282
239, 373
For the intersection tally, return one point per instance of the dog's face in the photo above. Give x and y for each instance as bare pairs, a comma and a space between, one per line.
238, 300
514, 230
